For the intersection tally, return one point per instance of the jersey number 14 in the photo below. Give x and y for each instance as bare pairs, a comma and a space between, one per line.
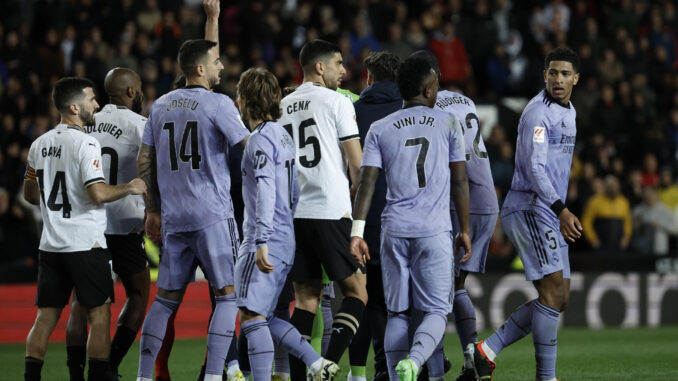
190, 132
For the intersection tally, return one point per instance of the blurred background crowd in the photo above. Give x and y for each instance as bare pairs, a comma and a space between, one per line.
623, 183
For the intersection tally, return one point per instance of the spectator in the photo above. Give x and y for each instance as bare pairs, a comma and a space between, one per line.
610, 70
650, 174
607, 219
668, 190
653, 223
633, 190
397, 45
451, 53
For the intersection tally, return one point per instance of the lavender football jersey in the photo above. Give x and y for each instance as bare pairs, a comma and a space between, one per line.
414, 147
270, 190
546, 136
483, 197
192, 129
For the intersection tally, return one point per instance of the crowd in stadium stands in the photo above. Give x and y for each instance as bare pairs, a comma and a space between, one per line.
623, 182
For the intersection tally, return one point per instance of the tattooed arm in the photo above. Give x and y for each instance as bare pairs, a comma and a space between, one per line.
147, 169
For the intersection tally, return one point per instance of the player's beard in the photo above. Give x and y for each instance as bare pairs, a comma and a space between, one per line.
86, 117
137, 103
213, 81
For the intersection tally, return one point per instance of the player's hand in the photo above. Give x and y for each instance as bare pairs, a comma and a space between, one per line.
359, 250
212, 8
462, 243
570, 227
152, 227
137, 186
262, 260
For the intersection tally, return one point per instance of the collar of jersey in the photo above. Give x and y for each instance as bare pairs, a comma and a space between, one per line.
64, 126
414, 105
195, 87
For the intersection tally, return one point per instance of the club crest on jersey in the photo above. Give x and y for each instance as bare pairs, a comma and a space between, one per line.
260, 160
538, 135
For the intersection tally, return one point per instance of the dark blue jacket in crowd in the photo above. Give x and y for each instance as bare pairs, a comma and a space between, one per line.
376, 102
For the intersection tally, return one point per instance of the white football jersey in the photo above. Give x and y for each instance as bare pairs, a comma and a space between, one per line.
119, 131
65, 162
320, 119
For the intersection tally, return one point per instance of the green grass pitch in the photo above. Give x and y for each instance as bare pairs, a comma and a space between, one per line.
612, 354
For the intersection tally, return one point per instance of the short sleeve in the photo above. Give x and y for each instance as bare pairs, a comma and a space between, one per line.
91, 168
347, 127
147, 137
227, 120
371, 151
457, 145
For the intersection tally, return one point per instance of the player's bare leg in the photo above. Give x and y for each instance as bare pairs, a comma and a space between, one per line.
36, 342
132, 315
76, 340
99, 343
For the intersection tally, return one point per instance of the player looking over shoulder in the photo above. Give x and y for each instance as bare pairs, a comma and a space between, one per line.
271, 192
183, 160
536, 219
422, 153
118, 127
483, 213
65, 172
322, 123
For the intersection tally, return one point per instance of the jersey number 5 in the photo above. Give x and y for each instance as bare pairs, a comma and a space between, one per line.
305, 141
190, 131
59, 184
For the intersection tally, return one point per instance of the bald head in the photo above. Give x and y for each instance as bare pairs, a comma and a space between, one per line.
123, 87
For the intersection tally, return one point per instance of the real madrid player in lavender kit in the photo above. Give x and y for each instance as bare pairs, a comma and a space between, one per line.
422, 152
183, 161
483, 213
270, 192
536, 219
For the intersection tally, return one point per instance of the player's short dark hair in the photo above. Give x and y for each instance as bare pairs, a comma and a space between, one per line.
261, 90
411, 75
382, 66
314, 51
563, 54
429, 57
192, 52
67, 90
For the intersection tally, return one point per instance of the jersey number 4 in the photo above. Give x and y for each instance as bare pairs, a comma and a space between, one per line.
59, 184
304, 141
190, 131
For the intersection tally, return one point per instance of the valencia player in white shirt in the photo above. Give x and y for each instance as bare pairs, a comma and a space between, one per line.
65, 177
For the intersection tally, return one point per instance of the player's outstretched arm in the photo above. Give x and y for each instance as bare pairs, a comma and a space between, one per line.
212, 9
460, 197
102, 192
363, 200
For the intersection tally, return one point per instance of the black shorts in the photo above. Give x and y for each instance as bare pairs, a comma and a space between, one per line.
128, 252
326, 243
89, 272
